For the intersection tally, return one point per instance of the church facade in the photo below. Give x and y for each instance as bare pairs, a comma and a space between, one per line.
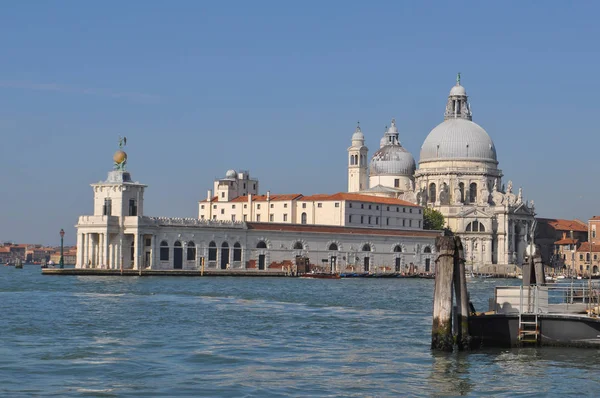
457, 175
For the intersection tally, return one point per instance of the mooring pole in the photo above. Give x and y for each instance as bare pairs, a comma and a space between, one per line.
463, 339
441, 332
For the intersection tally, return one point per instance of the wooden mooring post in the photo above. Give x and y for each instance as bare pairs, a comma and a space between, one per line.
450, 277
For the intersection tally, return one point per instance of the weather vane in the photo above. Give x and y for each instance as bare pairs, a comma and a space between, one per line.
458, 78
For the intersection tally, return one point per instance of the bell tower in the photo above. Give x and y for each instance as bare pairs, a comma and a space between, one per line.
357, 162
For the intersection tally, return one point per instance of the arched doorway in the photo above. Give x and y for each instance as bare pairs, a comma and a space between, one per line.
333, 258
262, 258
224, 255
366, 259
177, 255
212, 254
237, 254
398, 259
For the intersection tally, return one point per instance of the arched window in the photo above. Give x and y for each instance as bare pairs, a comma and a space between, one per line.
432, 192
473, 192
333, 246
164, 251
212, 251
427, 249
298, 246
303, 218
191, 251
366, 247
237, 252
351, 160
397, 249
461, 187
261, 245
475, 226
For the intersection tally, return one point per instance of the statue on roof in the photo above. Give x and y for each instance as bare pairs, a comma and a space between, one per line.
120, 156
458, 79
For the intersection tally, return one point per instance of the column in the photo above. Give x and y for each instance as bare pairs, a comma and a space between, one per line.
136, 250
100, 249
79, 251
183, 254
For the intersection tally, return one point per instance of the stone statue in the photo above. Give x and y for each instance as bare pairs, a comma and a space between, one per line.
444, 194
495, 189
531, 204
520, 195
509, 187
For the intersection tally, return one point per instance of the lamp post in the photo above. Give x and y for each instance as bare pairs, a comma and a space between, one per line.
62, 259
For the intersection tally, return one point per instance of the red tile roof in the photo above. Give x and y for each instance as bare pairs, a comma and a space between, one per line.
273, 198
566, 241
565, 225
214, 199
340, 230
596, 218
356, 197
585, 247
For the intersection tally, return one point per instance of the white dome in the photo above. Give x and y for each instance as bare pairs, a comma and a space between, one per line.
392, 160
230, 174
458, 90
358, 136
458, 139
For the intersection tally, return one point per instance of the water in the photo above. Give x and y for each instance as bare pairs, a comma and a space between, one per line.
254, 337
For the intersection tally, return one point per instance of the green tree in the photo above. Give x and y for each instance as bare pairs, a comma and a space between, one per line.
432, 219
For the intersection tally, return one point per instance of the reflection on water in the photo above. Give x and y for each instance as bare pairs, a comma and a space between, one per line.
112, 336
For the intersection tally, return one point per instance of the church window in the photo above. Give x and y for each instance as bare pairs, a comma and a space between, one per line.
473, 192
396, 183
461, 188
148, 242
319, 205
272, 217
351, 160
258, 218
432, 192
164, 251
233, 217
303, 218
107, 210
285, 217
132, 207
337, 205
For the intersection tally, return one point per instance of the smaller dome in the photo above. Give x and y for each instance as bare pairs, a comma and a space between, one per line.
120, 156
392, 160
458, 90
358, 135
230, 174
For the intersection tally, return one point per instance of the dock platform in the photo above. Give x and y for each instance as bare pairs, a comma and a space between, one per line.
134, 272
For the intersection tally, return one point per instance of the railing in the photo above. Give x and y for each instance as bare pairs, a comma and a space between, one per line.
168, 221
561, 298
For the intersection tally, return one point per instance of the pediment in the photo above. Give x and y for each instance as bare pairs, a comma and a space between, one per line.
522, 210
474, 212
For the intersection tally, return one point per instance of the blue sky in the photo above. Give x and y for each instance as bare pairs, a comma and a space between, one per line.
276, 88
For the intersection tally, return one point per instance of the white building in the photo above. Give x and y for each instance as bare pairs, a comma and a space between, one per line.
239, 229
458, 175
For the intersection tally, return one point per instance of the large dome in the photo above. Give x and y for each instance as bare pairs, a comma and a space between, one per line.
392, 160
458, 139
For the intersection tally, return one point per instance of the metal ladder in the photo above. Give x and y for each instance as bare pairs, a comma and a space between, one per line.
529, 329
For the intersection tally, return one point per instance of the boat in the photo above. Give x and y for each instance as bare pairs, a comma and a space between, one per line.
19, 263
564, 314
320, 275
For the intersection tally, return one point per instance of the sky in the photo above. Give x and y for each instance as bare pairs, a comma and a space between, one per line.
277, 88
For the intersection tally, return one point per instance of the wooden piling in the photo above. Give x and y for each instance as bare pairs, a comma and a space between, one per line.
463, 340
441, 333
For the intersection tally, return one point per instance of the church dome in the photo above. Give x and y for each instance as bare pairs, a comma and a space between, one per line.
358, 135
230, 174
458, 137
392, 160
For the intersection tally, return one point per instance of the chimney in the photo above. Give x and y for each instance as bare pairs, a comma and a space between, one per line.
209, 196
268, 196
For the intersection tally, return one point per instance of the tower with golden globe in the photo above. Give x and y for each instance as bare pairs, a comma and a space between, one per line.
120, 156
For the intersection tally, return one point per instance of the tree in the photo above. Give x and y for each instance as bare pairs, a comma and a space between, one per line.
432, 219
